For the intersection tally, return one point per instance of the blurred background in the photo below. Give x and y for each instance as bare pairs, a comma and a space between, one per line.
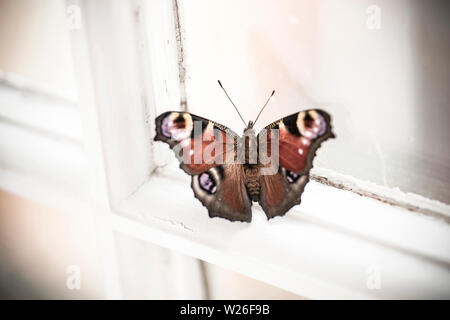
382, 68
38, 245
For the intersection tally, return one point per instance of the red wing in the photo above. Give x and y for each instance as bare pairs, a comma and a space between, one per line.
299, 137
222, 191
206, 151
198, 143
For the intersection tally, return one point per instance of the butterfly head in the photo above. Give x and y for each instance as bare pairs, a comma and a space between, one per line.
250, 123
249, 129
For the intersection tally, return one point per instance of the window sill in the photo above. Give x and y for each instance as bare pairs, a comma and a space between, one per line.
320, 249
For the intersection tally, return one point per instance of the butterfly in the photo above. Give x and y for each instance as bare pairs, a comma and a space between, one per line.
228, 171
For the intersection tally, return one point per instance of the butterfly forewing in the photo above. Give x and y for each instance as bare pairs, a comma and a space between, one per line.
299, 136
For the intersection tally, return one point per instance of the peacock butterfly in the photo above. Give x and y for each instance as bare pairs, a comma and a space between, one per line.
229, 172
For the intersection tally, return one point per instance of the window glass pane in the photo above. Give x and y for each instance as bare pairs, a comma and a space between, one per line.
382, 72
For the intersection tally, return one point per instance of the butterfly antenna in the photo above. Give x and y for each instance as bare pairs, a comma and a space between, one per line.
265, 104
220, 84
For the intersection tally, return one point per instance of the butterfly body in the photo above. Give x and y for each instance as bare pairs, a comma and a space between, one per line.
229, 172
251, 166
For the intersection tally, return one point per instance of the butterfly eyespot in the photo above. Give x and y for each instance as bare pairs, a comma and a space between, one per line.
177, 126
311, 124
291, 176
207, 183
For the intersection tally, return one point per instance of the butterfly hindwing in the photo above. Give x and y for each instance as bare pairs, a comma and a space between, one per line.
222, 191
299, 136
278, 194
207, 154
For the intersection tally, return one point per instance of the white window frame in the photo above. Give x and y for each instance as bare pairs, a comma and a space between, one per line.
325, 248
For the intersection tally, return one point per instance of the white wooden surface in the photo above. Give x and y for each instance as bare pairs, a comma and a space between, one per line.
321, 249
48, 114
40, 138
117, 102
